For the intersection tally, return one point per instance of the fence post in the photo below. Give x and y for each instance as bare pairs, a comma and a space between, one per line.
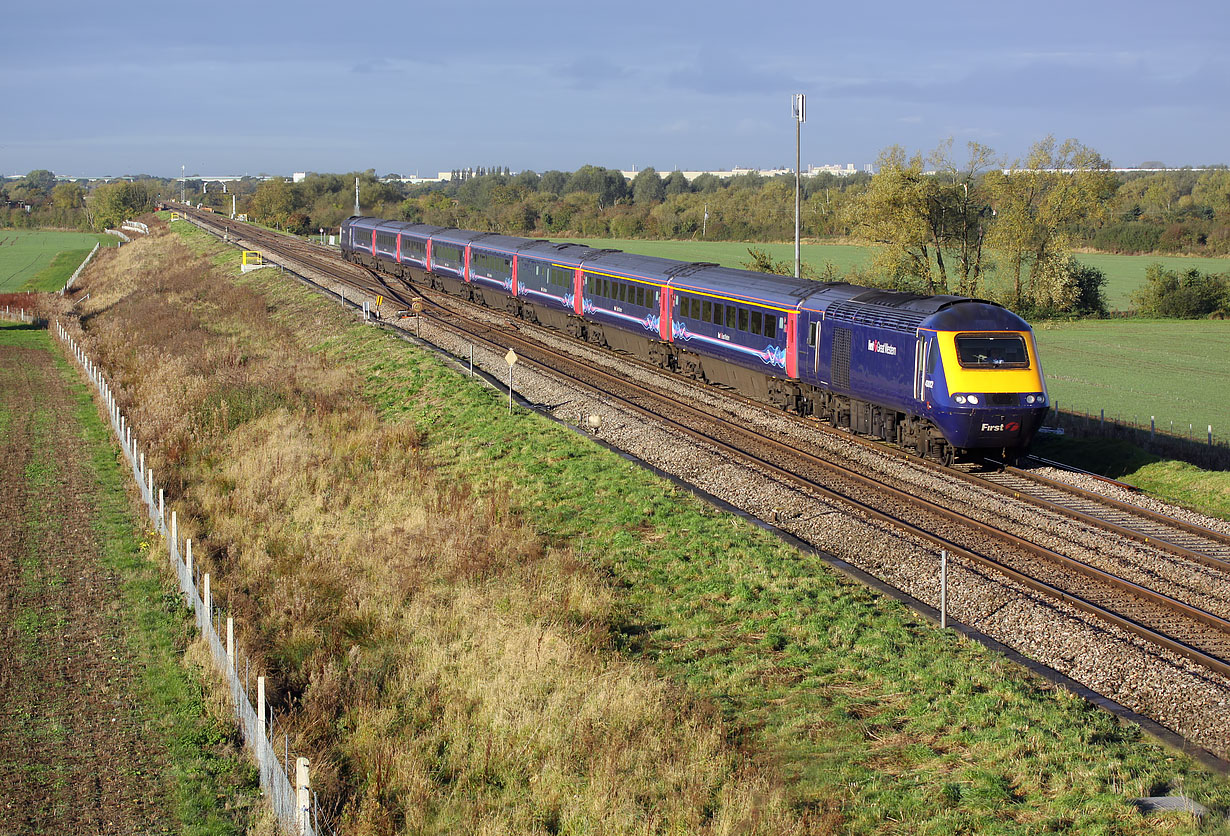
259, 743
1210, 435
230, 645
162, 518
207, 600
188, 558
303, 786
943, 589
174, 532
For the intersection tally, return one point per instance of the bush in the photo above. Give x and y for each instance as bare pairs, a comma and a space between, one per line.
1128, 237
1182, 294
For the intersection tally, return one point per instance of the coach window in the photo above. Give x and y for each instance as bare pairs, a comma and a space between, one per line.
757, 323
706, 311
742, 319
770, 326
731, 315
640, 295
623, 292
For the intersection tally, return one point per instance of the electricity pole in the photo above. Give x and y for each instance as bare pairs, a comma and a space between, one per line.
799, 106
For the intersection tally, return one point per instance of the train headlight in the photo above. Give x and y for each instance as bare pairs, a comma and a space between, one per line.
973, 399
959, 399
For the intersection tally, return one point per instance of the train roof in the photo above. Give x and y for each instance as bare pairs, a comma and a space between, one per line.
569, 255
494, 242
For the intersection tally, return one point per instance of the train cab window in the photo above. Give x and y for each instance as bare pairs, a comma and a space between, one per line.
757, 323
992, 351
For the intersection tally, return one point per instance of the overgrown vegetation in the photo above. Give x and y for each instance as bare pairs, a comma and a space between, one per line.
1187, 294
482, 623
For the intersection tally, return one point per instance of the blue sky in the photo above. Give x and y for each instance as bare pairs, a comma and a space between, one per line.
275, 87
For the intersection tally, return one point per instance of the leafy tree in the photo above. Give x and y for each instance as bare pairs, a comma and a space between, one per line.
527, 180
676, 183
112, 203
708, 183
1039, 201
68, 203
272, 203
610, 186
648, 188
553, 182
895, 213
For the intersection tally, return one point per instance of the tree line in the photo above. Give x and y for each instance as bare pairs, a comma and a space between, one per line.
972, 224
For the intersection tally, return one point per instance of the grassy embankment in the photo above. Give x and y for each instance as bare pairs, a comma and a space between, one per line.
483, 621
43, 259
206, 787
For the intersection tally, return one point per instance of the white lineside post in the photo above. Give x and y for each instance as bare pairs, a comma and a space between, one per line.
303, 794
162, 520
943, 589
174, 531
149, 487
230, 644
188, 556
208, 600
260, 715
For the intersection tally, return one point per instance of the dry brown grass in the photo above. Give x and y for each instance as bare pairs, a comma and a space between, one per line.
445, 670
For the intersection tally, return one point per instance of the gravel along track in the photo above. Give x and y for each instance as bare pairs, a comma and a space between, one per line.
1175, 692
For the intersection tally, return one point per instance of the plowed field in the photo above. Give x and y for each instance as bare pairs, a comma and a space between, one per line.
76, 752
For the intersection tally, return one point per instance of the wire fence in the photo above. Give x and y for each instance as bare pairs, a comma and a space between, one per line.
291, 799
1196, 444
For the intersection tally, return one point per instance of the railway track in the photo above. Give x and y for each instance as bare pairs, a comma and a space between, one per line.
1172, 619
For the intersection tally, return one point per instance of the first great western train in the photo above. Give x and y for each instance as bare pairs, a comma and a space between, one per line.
945, 376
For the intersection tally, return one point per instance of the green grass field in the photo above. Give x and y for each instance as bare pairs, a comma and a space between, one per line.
1175, 370
1124, 273
36, 259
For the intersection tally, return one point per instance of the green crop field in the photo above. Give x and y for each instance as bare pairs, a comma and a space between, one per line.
1124, 273
36, 259
1174, 370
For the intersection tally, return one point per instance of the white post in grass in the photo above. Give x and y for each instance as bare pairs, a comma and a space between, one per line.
260, 713
943, 589
188, 556
207, 599
303, 794
230, 643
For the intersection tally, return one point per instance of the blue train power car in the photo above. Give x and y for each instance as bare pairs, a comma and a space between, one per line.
945, 376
